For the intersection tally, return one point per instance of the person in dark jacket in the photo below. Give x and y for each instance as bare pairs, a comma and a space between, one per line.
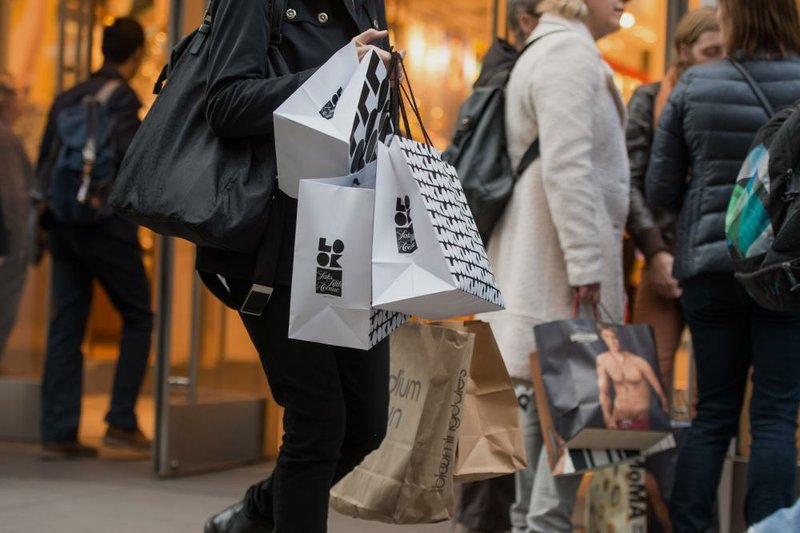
108, 251
697, 41
16, 210
705, 132
335, 399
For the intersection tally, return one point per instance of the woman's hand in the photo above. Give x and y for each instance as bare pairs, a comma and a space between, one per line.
661, 275
588, 294
363, 46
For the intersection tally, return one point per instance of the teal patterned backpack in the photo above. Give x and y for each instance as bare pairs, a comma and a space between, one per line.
762, 224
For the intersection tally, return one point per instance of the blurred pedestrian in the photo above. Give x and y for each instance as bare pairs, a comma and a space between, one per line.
106, 249
484, 506
705, 132
16, 209
560, 238
697, 40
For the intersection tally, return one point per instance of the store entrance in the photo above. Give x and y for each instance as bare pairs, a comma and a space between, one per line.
205, 399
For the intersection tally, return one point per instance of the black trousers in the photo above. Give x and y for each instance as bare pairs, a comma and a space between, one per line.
486, 505
336, 404
110, 253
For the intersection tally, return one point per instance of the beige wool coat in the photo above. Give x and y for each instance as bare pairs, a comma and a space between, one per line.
564, 224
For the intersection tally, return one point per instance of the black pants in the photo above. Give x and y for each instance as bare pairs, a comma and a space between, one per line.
110, 253
336, 404
731, 333
486, 505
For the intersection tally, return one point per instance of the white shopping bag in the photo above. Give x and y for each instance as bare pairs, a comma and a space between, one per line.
331, 295
428, 258
331, 124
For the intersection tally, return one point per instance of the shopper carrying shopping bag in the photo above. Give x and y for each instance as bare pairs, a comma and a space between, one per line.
561, 232
698, 137
246, 60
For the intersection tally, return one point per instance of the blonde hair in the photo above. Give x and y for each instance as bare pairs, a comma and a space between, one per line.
571, 9
689, 30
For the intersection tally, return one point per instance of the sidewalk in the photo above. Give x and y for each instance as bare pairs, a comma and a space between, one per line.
125, 497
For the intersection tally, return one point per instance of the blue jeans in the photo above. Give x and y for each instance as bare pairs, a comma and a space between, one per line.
730, 333
110, 253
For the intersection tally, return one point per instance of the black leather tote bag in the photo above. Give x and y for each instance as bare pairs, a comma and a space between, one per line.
178, 178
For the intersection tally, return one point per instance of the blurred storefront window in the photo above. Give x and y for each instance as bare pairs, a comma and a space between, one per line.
445, 44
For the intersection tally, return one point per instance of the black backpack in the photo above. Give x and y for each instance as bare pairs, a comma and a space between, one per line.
83, 163
479, 150
763, 219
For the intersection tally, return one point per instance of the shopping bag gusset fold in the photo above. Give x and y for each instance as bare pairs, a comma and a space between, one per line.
331, 125
428, 258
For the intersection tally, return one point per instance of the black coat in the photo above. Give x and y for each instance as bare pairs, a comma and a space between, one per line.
241, 96
705, 132
652, 229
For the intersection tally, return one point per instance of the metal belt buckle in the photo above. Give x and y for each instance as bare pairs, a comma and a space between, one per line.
256, 300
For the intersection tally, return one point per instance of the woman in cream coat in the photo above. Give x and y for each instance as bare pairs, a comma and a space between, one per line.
561, 234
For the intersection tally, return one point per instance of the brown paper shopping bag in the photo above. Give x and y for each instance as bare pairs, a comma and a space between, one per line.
490, 439
409, 478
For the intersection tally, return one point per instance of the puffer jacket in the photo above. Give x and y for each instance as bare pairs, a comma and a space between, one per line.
705, 132
652, 229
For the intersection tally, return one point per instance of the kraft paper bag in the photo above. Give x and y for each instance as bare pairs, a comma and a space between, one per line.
409, 478
331, 125
330, 301
490, 439
428, 257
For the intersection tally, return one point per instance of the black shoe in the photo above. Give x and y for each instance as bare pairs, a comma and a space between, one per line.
233, 520
133, 439
61, 451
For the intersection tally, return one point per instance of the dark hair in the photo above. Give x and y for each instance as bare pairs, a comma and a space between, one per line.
516, 8
770, 27
121, 40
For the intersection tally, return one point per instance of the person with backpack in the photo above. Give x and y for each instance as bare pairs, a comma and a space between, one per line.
335, 399
705, 132
484, 506
560, 237
16, 209
89, 129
